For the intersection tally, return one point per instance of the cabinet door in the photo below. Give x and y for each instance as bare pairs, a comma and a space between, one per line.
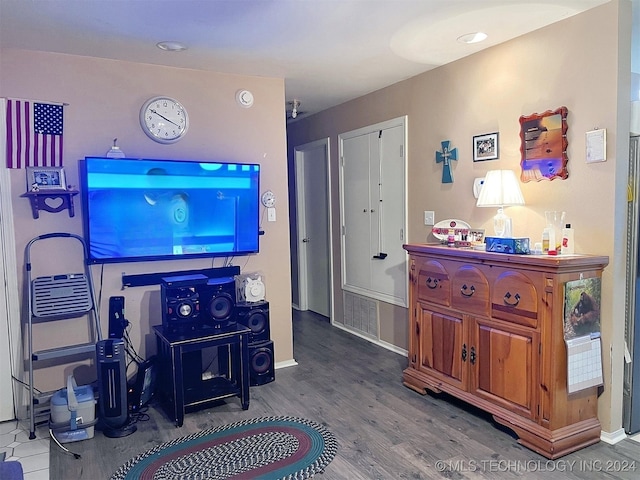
440, 346
504, 365
373, 211
356, 215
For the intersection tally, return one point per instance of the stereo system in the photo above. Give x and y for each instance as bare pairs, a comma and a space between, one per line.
218, 297
196, 303
255, 316
261, 363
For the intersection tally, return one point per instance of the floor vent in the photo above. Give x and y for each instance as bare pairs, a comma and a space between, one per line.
361, 314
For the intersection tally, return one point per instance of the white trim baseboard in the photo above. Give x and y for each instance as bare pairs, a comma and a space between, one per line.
374, 340
613, 437
286, 363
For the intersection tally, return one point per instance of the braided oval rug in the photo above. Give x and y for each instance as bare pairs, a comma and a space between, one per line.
261, 448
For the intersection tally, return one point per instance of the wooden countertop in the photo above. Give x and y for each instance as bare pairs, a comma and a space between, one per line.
551, 262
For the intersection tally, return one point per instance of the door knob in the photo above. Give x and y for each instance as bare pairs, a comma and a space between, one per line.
305, 240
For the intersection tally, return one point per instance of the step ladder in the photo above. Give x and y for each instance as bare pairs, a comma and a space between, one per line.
53, 298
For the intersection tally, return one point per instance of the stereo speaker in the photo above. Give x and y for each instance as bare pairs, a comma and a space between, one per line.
218, 300
180, 309
255, 316
261, 363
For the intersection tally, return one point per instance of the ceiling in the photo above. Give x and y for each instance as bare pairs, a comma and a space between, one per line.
328, 51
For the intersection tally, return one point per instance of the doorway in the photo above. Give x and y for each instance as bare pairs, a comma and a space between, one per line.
9, 301
314, 227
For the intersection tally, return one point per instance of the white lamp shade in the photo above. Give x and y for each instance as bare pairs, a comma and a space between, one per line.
500, 188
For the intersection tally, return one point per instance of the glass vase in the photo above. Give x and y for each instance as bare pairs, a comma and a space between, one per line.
555, 224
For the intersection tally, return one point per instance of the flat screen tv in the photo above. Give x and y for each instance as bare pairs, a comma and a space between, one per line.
143, 209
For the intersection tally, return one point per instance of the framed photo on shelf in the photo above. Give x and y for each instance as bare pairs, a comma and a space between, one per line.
485, 147
45, 178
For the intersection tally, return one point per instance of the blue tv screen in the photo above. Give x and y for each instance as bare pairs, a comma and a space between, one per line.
143, 209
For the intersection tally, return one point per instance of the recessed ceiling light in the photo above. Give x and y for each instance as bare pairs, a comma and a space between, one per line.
472, 37
171, 46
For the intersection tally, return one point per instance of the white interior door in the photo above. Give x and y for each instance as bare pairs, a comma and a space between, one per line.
356, 210
314, 256
9, 310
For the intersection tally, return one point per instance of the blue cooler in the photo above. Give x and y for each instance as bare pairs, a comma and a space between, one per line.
73, 412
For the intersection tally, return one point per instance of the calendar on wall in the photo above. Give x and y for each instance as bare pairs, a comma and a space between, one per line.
584, 363
582, 334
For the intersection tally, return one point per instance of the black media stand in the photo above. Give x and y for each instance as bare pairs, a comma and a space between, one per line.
180, 382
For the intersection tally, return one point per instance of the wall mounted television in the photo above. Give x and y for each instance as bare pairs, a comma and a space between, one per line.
146, 209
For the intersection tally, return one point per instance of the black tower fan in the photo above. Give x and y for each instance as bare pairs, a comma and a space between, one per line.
112, 388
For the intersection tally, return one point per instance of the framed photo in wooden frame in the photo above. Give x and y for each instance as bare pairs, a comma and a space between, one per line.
485, 147
45, 178
543, 145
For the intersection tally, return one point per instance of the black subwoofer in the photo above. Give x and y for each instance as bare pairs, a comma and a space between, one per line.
256, 317
261, 363
218, 302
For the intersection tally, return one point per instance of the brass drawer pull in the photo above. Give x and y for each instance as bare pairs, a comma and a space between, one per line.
464, 288
507, 297
432, 283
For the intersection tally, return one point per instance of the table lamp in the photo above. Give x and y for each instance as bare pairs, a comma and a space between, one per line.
500, 189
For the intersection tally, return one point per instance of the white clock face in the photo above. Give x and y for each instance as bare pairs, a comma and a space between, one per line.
268, 199
164, 119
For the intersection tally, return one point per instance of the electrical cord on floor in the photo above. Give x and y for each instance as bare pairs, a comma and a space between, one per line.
64, 449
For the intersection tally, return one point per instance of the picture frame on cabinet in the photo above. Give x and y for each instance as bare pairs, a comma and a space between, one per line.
485, 147
45, 179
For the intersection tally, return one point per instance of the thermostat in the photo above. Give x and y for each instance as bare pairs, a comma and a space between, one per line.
477, 186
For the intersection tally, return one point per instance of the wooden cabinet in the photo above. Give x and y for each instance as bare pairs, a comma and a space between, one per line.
488, 328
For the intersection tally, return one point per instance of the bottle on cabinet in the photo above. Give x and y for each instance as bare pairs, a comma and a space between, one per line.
568, 247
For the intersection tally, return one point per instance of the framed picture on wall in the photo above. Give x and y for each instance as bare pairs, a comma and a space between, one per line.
45, 178
543, 145
485, 147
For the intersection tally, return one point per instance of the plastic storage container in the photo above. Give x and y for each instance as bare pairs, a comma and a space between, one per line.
70, 416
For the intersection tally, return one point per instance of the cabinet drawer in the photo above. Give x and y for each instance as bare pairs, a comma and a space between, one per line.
514, 297
434, 284
470, 290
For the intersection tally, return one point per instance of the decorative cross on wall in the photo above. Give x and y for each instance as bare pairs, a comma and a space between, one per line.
445, 158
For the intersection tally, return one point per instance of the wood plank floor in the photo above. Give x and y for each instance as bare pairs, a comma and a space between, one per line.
384, 430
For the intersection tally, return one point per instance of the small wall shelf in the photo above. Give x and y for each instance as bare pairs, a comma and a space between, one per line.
39, 201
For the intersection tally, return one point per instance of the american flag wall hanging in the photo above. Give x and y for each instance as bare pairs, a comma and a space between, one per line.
34, 133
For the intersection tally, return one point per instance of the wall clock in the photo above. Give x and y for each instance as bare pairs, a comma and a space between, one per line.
268, 199
164, 119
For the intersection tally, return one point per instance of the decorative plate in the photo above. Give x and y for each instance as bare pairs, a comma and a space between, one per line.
441, 229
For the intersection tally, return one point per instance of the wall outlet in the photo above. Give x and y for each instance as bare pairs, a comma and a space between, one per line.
429, 217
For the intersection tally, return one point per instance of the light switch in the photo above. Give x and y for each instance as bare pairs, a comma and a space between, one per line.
429, 217
271, 214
